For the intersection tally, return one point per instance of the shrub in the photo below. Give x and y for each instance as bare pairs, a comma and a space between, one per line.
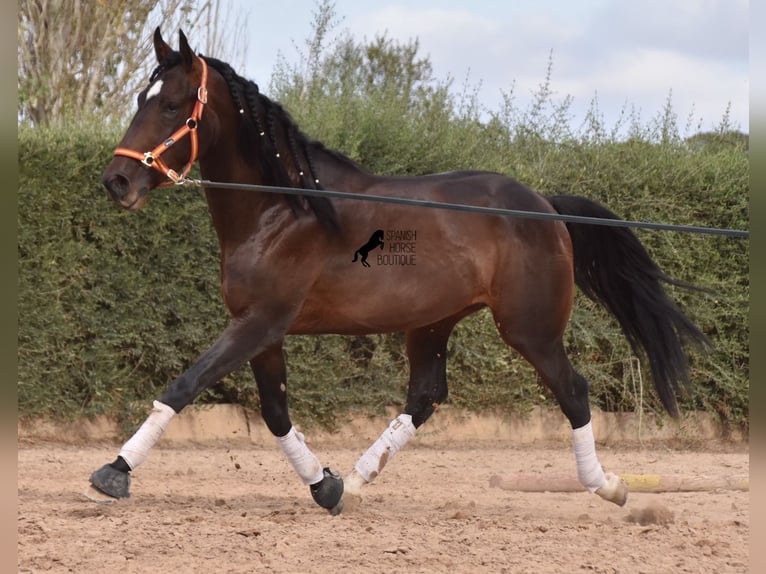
113, 306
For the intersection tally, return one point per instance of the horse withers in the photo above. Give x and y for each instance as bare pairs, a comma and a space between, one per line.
286, 268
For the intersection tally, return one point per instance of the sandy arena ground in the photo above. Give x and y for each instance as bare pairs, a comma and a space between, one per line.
212, 509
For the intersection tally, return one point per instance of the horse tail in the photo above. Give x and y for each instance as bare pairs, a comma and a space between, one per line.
613, 268
356, 254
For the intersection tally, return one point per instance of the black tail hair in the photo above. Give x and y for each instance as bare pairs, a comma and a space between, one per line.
613, 268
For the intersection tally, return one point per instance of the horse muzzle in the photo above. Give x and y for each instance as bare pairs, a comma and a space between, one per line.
123, 191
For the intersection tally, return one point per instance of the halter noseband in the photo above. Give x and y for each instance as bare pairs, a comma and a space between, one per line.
152, 158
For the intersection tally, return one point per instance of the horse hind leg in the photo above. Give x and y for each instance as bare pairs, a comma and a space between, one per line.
571, 391
427, 353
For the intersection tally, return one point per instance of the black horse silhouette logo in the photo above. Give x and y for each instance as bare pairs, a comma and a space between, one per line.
376, 240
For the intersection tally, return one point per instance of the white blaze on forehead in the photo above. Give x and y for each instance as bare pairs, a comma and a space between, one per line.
154, 89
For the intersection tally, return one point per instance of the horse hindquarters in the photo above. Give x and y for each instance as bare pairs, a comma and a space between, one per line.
532, 302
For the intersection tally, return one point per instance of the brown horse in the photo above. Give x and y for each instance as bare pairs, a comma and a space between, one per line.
286, 268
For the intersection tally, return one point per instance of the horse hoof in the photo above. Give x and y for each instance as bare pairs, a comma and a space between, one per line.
111, 481
615, 490
328, 492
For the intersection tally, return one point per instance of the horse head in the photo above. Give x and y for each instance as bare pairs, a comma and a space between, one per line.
167, 134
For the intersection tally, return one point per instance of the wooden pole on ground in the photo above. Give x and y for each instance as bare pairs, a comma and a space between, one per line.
524, 482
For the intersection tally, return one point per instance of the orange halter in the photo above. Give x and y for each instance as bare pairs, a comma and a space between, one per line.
152, 158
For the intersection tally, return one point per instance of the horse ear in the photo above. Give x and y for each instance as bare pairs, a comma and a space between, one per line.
187, 55
161, 49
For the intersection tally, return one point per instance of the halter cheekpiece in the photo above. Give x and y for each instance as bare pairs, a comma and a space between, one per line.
152, 158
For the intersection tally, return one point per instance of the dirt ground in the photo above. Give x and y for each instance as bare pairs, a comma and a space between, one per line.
216, 509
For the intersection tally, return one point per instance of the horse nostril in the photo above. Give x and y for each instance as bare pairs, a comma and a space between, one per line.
117, 185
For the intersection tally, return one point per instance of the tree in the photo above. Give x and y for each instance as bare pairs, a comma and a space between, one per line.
77, 57
376, 100
341, 67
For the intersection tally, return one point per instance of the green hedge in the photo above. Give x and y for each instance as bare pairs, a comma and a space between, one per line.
113, 305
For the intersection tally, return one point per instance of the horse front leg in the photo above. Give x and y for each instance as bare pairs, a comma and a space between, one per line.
242, 339
270, 373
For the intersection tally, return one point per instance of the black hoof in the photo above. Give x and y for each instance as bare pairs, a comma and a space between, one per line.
328, 492
111, 481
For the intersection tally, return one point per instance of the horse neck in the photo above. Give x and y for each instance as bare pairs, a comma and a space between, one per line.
235, 214
275, 159
296, 161
337, 172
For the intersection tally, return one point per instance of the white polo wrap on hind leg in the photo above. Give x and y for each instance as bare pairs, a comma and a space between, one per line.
393, 439
589, 469
136, 450
305, 463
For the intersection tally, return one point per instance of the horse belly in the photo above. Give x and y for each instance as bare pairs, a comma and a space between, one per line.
398, 300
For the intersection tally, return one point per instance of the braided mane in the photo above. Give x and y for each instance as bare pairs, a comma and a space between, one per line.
263, 123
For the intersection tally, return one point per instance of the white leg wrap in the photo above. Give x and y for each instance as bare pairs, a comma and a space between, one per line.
398, 433
136, 450
305, 463
589, 469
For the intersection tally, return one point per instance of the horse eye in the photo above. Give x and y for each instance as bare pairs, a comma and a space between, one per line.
170, 108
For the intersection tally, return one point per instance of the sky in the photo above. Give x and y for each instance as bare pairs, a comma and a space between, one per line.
624, 53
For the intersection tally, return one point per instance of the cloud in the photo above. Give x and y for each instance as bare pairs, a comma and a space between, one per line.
497, 51
709, 29
645, 77
443, 34
638, 52
633, 52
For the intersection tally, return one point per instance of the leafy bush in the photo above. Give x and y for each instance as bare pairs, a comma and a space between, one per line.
111, 306
114, 305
